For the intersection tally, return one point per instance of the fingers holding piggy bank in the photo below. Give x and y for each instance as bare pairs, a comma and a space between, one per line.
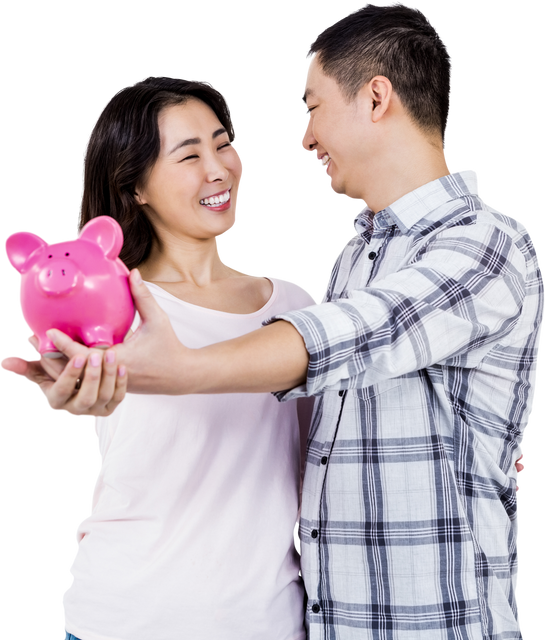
80, 287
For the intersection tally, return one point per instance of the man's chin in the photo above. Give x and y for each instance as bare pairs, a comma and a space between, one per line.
335, 189
340, 191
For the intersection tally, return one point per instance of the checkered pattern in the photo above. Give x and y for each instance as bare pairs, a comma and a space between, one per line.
423, 361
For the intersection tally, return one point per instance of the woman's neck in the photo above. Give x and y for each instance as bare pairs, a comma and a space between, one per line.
174, 260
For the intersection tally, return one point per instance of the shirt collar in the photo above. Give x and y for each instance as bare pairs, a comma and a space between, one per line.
421, 205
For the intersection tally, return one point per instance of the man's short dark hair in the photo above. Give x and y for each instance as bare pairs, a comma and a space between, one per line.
396, 42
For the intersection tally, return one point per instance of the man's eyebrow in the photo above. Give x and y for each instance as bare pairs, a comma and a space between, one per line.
308, 92
191, 141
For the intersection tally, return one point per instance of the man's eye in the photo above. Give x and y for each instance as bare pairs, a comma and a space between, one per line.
310, 109
225, 144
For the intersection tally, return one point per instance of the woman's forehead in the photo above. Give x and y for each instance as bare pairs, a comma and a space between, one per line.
187, 121
191, 111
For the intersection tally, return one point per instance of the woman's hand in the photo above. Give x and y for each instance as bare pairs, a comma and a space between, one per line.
89, 383
154, 358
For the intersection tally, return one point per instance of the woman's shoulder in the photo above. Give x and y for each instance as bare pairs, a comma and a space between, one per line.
270, 294
293, 288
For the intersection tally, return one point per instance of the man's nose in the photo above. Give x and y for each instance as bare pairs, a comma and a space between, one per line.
309, 141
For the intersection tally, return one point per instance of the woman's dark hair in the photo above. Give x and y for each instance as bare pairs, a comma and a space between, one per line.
396, 42
123, 148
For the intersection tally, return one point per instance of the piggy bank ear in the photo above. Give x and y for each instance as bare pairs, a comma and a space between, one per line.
20, 246
105, 232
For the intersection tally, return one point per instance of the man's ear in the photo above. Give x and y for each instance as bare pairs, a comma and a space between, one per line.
379, 91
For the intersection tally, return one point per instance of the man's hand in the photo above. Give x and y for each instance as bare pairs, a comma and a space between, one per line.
156, 360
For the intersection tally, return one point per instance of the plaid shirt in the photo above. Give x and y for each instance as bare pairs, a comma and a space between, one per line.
423, 360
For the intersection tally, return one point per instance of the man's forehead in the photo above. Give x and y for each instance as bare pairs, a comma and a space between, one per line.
312, 77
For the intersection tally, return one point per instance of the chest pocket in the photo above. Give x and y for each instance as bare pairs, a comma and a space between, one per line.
368, 393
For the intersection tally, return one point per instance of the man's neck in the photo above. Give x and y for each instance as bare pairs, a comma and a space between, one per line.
409, 164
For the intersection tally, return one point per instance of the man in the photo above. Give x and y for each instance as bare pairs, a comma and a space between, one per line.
422, 358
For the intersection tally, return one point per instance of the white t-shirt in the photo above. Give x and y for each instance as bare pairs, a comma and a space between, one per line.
191, 534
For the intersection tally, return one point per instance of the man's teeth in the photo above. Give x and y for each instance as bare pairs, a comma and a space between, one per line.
214, 201
325, 159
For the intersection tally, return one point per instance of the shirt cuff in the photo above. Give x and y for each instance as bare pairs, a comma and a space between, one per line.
296, 392
315, 325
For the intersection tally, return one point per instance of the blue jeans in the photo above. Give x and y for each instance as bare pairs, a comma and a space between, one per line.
69, 636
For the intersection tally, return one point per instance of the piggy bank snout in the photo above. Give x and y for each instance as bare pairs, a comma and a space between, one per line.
58, 277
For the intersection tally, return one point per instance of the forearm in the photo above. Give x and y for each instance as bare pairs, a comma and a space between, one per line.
272, 358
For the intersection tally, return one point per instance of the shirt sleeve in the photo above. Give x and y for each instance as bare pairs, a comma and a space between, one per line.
456, 297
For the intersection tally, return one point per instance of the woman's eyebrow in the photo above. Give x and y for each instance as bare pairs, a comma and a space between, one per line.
190, 141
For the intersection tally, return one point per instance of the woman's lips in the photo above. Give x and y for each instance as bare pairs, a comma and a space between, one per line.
218, 202
220, 207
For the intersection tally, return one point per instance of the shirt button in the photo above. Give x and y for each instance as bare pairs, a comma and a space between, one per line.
315, 608
314, 533
372, 255
324, 460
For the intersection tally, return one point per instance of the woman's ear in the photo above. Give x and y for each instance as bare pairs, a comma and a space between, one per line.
139, 197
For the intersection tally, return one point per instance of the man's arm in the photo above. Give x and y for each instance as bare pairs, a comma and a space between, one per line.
269, 359
462, 294
272, 358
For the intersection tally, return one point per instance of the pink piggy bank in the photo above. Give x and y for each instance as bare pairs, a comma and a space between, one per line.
80, 287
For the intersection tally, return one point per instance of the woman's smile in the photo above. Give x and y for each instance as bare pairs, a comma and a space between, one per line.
218, 202
197, 169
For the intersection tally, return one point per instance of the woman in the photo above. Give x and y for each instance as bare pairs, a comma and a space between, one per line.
191, 534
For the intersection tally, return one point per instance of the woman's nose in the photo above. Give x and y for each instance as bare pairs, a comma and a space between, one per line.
216, 170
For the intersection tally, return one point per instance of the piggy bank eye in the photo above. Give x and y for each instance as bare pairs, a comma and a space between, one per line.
67, 254
49, 256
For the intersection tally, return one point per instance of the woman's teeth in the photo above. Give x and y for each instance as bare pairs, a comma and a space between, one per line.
214, 201
325, 159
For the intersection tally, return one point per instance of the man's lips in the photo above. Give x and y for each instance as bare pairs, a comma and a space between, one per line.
323, 160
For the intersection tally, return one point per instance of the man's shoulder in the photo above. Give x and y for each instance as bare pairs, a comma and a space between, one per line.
515, 228
504, 222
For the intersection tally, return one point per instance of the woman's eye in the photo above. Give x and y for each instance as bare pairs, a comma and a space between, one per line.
310, 109
223, 146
